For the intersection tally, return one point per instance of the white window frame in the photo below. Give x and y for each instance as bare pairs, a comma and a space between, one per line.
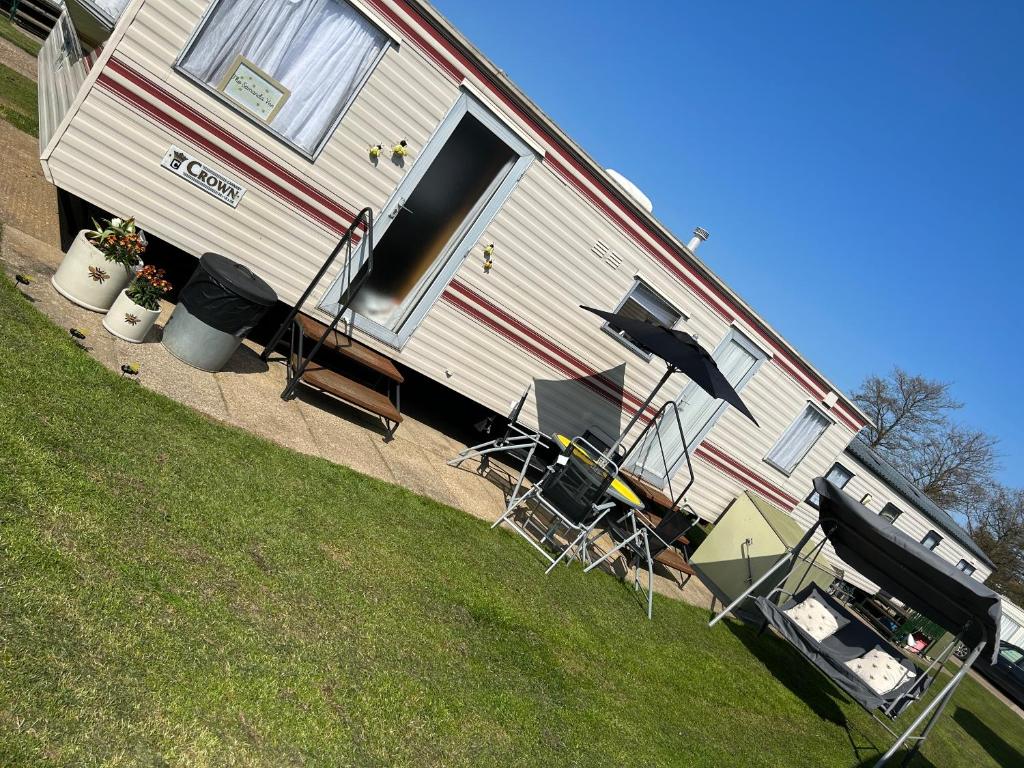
829, 421
310, 155
812, 501
889, 505
734, 334
930, 534
637, 283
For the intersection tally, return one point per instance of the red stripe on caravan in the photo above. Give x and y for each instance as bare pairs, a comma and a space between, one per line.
306, 192
187, 133
450, 69
525, 345
750, 475
539, 338
732, 472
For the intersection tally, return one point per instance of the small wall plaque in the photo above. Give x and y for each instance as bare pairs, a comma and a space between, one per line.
253, 89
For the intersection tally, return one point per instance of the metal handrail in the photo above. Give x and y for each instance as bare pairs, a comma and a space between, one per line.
364, 217
351, 289
655, 422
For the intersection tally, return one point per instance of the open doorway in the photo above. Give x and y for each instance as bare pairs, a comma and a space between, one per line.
458, 184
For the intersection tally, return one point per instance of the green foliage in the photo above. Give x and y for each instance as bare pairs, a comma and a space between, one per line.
120, 241
14, 35
203, 597
18, 101
148, 287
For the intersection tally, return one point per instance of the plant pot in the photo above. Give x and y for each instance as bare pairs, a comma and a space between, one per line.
127, 320
87, 278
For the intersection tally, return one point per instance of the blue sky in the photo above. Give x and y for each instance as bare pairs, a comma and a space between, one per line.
860, 166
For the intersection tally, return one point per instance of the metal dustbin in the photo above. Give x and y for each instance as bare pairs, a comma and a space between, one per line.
220, 304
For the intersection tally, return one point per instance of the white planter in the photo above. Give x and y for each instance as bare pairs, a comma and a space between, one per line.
87, 278
127, 320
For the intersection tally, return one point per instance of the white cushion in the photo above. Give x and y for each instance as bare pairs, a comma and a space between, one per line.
813, 618
880, 671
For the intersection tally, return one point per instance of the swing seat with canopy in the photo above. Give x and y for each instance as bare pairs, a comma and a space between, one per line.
859, 661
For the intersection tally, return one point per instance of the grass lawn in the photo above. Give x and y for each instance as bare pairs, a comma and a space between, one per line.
11, 33
175, 592
18, 101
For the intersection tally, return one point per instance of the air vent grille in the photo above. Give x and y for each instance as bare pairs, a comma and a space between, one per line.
607, 255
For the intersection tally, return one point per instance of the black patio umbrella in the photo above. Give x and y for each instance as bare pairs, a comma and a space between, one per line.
682, 353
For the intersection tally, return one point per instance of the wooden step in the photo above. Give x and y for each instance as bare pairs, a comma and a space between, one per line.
350, 348
350, 391
671, 558
650, 494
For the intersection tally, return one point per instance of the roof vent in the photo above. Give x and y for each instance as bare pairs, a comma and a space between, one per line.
632, 190
699, 236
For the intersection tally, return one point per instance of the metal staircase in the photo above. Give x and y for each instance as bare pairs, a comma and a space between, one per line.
375, 387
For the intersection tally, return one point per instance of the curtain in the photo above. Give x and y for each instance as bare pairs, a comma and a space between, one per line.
320, 50
798, 439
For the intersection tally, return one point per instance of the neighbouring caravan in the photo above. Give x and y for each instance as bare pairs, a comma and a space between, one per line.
881, 487
281, 105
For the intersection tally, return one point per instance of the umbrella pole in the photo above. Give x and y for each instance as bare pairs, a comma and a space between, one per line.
636, 416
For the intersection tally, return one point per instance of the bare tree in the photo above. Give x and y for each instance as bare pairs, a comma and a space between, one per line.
912, 429
950, 463
902, 407
996, 522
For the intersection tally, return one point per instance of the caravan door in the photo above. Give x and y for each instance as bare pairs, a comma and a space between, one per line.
437, 213
662, 453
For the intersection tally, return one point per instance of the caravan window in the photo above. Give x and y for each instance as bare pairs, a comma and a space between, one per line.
931, 541
890, 512
839, 475
292, 66
643, 303
966, 567
798, 439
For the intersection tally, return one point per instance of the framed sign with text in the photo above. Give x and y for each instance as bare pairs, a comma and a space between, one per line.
253, 89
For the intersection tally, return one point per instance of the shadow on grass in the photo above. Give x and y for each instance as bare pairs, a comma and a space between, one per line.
1000, 751
807, 684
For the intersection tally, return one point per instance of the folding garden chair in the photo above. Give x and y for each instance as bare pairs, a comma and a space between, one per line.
572, 492
518, 441
645, 543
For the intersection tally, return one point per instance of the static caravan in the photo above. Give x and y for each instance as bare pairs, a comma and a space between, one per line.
491, 226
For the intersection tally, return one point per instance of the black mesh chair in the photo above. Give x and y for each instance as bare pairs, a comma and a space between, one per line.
645, 543
573, 494
517, 441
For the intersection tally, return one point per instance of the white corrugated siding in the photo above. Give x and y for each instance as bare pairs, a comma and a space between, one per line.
1013, 613
544, 235
60, 78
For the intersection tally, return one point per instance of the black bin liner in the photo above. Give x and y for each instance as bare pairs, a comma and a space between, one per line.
226, 295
